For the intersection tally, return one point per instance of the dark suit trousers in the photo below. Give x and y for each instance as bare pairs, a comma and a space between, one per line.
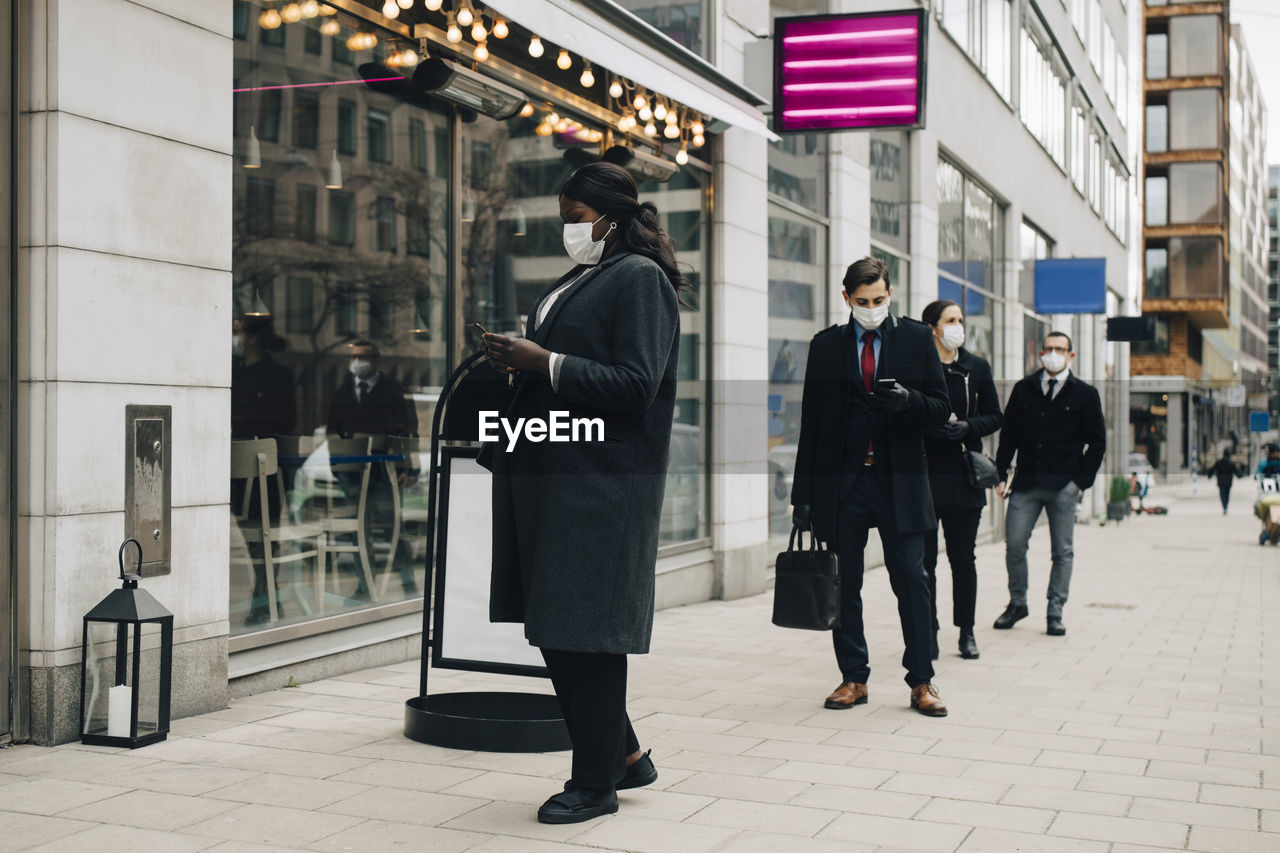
869, 504
960, 527
592, 689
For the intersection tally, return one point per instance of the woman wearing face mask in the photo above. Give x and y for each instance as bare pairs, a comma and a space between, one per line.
575, 524
975, 412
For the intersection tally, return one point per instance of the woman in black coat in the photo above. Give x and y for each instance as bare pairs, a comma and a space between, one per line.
975, 412
575, 524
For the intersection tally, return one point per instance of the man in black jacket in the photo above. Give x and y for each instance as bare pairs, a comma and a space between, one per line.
871, 387
1054, 423
369, 402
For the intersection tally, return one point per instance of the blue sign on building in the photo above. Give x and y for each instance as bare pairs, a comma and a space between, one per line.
1071, 286
1259, 422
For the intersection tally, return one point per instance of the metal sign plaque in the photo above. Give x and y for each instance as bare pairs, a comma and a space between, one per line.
148, 482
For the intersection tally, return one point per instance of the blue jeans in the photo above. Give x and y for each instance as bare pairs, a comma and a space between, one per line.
1024, 511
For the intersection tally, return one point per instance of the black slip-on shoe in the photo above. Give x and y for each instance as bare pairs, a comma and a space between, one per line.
1054, 627
640, 773
575, 805
1010, 616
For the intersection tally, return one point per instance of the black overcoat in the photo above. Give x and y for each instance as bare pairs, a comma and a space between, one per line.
831, 396
575, 525
976, 402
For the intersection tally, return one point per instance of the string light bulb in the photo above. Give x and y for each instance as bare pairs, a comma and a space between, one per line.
405, 4
698, 140
535, 47
553, 119
465, 15
639, 102
454, 34
310, 9
587, 79
478, 32
671, 131
330, 28
291, 13
526, 110
682, 156
390, 9
269, 19
409, 57
481, 53
615, 88
434, 5
563, 61
651, 129
626, 122
697, 128
645, 113
500, 30
660, 111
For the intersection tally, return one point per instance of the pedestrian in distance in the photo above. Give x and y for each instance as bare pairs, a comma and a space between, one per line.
575, 524
1053, 422
872, 387
975, 412
1269, 466
1224, 471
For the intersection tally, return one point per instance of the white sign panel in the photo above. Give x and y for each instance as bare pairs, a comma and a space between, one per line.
467, 634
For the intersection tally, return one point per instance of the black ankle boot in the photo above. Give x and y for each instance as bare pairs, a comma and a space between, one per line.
968, 645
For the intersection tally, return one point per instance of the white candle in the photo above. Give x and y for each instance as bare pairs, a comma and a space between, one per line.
119, 710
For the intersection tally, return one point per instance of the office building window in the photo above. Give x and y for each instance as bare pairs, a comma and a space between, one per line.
683, 21
342, 218
260, 207
1195, 193
347, 127
1095, 170
1108, 62
304, 213
984, 30
378, 125
1195, 268
1094, 42
1157, 272
890, 180
385, 212
1195, 119
1157, 200
299, 315
1122, 91
968, 228
1044, 95
1159, 346
306, 119
1195, 45
1157, 56
270, 105
1157, 127
1035, 245
417, 144
1079, 146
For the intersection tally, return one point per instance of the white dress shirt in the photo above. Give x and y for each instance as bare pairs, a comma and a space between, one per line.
1061, 380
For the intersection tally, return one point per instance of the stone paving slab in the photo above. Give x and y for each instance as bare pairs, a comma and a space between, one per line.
1148, 727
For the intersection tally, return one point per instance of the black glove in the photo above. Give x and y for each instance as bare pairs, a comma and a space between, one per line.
896, 399
955, 431
800, 516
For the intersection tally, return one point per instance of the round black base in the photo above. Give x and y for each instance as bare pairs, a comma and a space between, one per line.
490, 722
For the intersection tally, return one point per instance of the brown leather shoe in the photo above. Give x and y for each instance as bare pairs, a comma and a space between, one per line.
925, 699
848, 694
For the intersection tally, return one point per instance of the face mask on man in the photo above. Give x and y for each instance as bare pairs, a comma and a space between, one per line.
1053, 362
360, 368
870, 318
953, 337
579, 244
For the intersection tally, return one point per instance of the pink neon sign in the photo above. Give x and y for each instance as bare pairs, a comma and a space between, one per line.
842, 72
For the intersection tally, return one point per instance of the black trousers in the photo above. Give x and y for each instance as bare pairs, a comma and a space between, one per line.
1224, 493
868, 504
960, 527
592, 689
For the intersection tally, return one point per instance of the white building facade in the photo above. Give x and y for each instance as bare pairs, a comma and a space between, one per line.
244, 171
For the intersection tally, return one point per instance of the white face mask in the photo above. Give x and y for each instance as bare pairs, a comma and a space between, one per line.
578, 242
237, 346
360, 368
1053, 362
870, 318
953, 337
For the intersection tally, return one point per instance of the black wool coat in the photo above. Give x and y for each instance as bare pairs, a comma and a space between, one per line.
386, 410
976, 402
833, 394
575, 525
1057, 441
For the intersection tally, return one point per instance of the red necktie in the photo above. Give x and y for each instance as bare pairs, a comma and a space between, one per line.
868, 368
868, 360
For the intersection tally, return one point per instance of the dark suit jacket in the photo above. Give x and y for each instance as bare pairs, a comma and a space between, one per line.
385, 411
575, 524
1057, 441
833, 394
976, 402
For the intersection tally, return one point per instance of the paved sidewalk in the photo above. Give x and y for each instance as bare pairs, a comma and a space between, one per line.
1149, 726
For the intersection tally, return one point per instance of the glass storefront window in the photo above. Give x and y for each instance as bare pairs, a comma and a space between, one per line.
798, 170
1034, 245
1195, 45
347, 217
968, 233
890, 185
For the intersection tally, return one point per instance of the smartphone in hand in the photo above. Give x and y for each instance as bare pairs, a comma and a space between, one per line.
886, 385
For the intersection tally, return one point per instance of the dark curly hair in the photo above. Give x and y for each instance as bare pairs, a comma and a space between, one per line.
610, 189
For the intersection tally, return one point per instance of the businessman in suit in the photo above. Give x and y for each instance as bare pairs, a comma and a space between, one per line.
871, 387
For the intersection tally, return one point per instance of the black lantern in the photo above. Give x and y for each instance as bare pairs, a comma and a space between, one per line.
127, 652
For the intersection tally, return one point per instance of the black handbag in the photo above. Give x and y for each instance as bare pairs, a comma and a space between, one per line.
980, 470
806, 591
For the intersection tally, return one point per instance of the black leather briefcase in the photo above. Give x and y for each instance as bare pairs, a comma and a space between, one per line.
806, 592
